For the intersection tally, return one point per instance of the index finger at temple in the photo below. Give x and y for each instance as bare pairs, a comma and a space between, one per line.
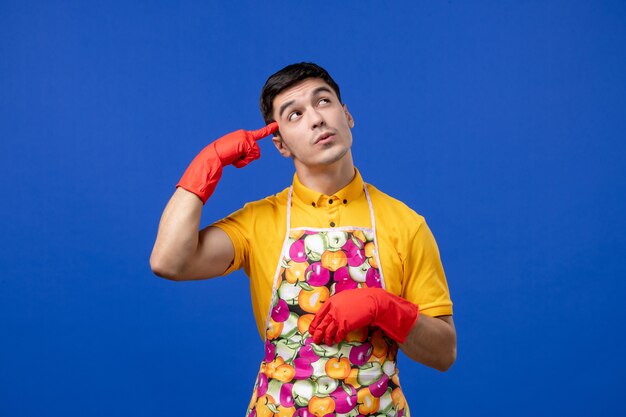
264, 131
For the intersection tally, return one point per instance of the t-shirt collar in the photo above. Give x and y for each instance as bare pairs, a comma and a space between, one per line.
344, 196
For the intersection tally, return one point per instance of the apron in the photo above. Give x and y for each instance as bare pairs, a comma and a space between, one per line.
297, 377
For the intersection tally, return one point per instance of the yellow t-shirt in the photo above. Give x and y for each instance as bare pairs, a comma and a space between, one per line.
408, 252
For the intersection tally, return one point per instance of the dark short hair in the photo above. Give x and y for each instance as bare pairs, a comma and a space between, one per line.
287, 77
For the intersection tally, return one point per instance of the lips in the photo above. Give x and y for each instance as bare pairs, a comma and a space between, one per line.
324, 136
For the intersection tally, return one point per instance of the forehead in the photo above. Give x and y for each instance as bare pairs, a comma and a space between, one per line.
300, 91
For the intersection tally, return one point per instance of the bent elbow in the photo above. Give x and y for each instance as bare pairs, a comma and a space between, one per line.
163, 270
447, 361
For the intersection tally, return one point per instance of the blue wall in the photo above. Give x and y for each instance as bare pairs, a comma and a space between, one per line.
501, 122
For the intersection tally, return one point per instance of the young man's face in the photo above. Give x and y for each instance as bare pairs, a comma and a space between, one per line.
314, 127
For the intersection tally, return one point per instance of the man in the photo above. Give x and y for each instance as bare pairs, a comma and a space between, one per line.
341, 274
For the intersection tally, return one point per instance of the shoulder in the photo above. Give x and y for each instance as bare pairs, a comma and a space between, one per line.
268, 205
392, 210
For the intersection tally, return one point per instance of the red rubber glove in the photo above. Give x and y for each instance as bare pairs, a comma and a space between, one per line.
238, 148
352, 309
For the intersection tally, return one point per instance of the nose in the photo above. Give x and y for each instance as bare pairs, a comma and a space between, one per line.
317, 120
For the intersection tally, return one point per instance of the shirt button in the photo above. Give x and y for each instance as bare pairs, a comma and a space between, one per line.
330, 201
332, 224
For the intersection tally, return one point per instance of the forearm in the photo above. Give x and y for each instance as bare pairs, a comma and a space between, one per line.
432, 342
177, 236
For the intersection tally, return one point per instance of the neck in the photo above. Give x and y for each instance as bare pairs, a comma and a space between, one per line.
327, 179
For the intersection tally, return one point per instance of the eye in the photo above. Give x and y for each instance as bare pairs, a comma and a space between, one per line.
292, 116
324, 101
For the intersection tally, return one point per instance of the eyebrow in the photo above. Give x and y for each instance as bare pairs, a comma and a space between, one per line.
315, 92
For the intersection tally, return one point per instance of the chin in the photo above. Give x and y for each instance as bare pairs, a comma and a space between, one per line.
335, 157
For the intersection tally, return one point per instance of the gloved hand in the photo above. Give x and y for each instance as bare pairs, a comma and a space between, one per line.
352, 309
238, 148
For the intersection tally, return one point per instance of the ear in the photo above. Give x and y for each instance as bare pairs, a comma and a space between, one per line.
280, 145
349, 117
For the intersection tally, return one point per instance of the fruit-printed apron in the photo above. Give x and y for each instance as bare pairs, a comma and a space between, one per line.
355, 377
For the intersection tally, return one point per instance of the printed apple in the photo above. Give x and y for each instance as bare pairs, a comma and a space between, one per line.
353, 378
270, 367
295, 234
386, 402
326, 351
359, 273
285, 411
286, 395
311, 301
334, 260
307, 352
265, 406
380, 360
343, 280
317, 275
345, 398
270, 351
338, 368
303, 391
356, 258
336, 239
297, 252
380, 343
352, 244
290, 326
379, 387
371, 254
262, 387
369, 373
397, 396
295, 271
304, 321
284, 373
303, 368
289, 292
370, 250
303, 412
361, 353
351, 413
287, 349
360, 237
273, 390
325, 385
389, 368
319, 367
321, 406
368, 404
357, 335
354, 253
344, 349
280, 312
314, 246
274, 329
372, 278
296, 338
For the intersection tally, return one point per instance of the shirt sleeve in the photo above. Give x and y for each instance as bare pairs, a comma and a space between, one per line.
237, 227
424, 282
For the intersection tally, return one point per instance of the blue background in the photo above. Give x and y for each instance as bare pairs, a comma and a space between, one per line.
501, 122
